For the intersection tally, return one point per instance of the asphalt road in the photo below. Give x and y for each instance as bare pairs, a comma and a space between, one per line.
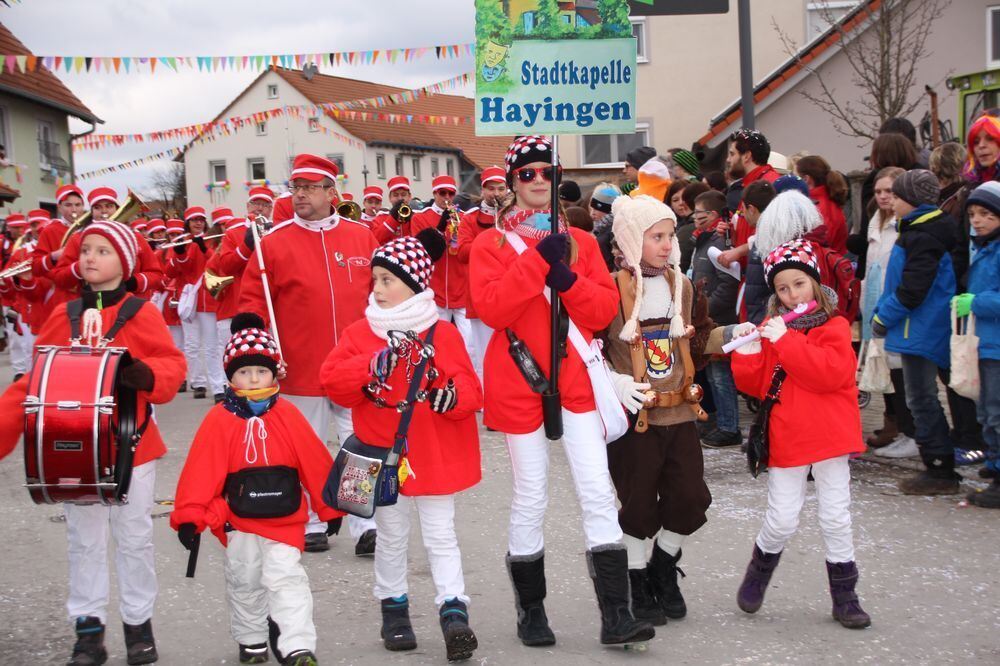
930, 578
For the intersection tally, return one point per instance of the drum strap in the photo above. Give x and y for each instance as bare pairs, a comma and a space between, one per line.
129, 309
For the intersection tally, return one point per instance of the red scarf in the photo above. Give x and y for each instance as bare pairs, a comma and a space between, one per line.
517, 220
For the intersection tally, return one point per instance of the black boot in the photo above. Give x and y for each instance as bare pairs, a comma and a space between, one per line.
939, 478
846, 607
644, 604
663, 572
273, 633
89, 647
751, 593
139, 643
527, 573
459, 640
397, 632
608, 566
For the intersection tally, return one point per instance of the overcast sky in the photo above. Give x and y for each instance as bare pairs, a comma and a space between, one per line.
138, 103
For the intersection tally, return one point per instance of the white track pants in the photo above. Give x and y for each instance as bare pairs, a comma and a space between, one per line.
131, 526
321, 414
265, 577
177, 333
463, 324
588, 464
481, 334
437, 527
201, 348
786, 492
21, 347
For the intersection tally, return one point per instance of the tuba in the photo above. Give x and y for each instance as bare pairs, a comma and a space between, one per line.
131, 207
349, 209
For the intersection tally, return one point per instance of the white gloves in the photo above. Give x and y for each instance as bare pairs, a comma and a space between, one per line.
630, 392
746, 328
774, 329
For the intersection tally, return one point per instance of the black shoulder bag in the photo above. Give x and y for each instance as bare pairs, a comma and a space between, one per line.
758, 446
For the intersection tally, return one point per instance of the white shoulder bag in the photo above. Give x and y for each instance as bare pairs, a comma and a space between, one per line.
964, 379
187, 301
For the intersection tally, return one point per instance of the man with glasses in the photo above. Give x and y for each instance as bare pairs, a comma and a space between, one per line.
391, 224
319, 272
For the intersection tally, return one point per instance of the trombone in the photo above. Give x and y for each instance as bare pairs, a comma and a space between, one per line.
132, 206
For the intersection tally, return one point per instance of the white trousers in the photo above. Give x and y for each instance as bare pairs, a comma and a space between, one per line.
587, 455
222, 335
463, 324
265, 577
481, 334
786, 492
21, 347
201, 348
177, 333
437, 527
321, 413
132, 528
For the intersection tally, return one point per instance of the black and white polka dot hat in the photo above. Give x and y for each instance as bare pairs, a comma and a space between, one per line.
251, 344
411, 259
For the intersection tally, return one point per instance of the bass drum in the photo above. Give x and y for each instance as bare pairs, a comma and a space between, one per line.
79, 426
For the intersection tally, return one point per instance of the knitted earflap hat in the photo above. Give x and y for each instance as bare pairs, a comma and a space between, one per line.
525, 150
411, 259
122, 239
251, 344
789, 215
632, 217
796, 253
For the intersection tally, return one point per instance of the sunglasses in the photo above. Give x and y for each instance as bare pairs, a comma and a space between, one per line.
528, 174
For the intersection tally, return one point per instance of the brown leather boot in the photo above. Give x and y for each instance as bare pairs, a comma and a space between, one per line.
885, 435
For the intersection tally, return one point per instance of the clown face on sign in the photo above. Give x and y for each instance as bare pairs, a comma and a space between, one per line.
493, 58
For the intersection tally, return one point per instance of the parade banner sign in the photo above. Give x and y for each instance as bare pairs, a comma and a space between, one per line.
554, 67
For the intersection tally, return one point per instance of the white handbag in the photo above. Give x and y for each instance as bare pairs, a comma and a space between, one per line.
874, 377
964, 378
187, 302
608, 406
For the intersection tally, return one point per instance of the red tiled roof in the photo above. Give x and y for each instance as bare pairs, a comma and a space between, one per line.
481, 151
793, 66
40, 85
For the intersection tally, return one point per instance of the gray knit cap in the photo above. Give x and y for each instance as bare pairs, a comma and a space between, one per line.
917, 187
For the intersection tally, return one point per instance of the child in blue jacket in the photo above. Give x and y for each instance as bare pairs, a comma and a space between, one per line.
913, 316
983, 300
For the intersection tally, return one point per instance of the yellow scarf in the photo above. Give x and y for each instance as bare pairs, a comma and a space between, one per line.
256, 395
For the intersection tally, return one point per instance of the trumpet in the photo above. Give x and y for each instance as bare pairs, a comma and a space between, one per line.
132, 206
19, 268
404, 212
215, 284
349, 209
188, 240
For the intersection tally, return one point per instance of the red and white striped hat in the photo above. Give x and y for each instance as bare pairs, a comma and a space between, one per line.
17, 220
221, 215
155, 225
175, 226
67, 190
262, 193
195, 211
399, 182
121, 238
282, 209
39, 215
373, 191
140, 224
443, 183
102, 194
493, 173
313, 168
233, 222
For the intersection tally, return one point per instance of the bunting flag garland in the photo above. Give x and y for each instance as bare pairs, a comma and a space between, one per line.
239, 63
197, 131
169, 153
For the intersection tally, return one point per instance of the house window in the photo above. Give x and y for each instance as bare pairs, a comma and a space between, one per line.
992, 37
255, 168
380, 165
399, 165
47, 148
272, 91
261, 128
338, 159
822, 14
639, 32
450, 166
8, 149
416, 168
217, 171
314, 124
612, 148
435, 168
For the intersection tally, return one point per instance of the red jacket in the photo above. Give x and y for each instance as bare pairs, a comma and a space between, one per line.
833, 218
147, 339
450, 279
474, 222
148, 271
230, 259
817, 415
386, 228
221, 446
188, 268
507, 292
443, 449
49, 240
320, 280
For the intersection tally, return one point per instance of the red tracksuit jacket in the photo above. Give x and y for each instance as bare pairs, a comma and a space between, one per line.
230, 259
222, 446
507, 292
450, 279
320, 280
188, 268
443, 449
474, 222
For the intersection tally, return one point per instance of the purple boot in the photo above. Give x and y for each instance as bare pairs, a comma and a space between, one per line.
751, 595
846, 607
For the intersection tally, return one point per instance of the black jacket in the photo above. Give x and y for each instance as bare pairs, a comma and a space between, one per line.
720, 288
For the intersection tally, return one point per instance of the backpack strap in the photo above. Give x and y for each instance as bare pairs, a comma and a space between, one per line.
129, 309
74, 310
635, 347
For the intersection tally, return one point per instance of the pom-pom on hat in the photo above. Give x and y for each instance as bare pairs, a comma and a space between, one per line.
313, 168
411, 259
633, 216
526, 150
250, 344
796, 253
986, 195
122, 238
917, 187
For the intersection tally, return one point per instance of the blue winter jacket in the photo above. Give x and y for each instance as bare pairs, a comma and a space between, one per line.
984, 282
919, 285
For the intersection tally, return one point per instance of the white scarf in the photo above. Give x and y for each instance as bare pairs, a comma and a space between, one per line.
319, 225
417, 313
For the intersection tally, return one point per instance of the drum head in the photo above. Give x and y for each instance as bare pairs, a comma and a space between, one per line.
125, 398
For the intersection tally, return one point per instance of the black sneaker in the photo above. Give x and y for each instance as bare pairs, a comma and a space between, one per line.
139, 643
720, 439
89, 647
253, 654
301, 658
219, 397
365, 547
459, 640
317, 542
184, 387
199, 393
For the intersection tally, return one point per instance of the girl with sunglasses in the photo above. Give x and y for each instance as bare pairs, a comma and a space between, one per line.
511, 266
